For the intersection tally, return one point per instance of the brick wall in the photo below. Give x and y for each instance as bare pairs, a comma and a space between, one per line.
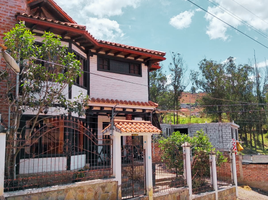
8, 9
254, 175
117, 86
156, 153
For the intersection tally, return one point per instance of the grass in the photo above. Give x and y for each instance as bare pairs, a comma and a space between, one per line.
251, 150
169, 118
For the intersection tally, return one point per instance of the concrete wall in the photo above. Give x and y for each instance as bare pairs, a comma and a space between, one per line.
219, 133
99, 189
180, 193
226, 194
117, 86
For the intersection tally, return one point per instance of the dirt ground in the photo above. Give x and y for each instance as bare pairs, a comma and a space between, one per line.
246, 193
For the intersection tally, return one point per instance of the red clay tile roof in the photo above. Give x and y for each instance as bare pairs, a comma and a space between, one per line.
122, 102
55, 5
132, 126
97, 42
132, 47
74, 25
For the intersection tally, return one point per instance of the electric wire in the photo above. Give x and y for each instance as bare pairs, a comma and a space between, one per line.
250, 12
228, 24
239, 19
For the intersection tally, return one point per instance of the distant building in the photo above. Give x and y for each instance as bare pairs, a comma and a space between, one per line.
220, 134
189, 101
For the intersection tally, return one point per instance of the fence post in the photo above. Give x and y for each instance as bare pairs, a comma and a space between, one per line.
2, 163
234, 172
147, 139
117, 160
187, 152
214, 173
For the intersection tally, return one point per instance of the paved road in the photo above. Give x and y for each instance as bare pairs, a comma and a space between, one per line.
245, 193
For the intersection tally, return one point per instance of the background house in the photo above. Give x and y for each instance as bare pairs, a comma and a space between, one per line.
220, 134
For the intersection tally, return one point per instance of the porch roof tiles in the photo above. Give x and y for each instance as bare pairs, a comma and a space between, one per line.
122, 102
133, 126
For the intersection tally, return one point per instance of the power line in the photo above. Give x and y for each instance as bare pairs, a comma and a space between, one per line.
53, 63
250, 11
118, 79
228, 24
239, 19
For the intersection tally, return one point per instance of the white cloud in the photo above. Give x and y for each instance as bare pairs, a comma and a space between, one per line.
240, 11
104, 28
92, 13
262, 64
109, 8
183, 20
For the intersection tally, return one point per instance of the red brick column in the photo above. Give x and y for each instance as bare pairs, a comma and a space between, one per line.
8, 9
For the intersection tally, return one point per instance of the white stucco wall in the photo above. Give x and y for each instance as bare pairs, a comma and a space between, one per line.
117, 86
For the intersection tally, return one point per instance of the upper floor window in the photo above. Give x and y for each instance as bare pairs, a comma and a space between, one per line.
103, 64
117, 66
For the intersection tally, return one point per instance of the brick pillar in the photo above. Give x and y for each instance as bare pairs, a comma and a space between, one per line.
8, 9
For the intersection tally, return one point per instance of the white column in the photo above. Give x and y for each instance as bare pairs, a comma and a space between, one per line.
148, 160
2, 162
234, 172
187, 152
117, 160
214, 174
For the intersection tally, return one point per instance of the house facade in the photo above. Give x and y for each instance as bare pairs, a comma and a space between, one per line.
115, 77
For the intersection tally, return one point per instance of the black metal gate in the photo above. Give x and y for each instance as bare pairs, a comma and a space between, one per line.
55, 151
133, 170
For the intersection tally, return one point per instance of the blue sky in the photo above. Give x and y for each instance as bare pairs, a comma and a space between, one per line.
179, 26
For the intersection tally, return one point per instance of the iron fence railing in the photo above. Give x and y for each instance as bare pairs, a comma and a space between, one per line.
201, 172
224, 173
59, 150
133, 170
166, 178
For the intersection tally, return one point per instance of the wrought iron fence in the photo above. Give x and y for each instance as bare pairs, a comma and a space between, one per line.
133, 170
56, 151
224, 173
201, 170
168, 175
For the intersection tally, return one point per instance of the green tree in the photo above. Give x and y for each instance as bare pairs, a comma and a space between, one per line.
178, 83
46, 69
226, 86
172, 154
159, 92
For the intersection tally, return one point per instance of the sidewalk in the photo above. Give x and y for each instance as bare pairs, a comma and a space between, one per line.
247, 193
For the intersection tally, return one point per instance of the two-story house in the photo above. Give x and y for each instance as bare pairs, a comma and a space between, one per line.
116, 78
